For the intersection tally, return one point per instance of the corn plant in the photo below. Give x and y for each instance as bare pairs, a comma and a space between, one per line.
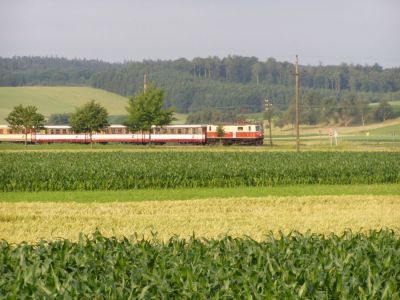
312, 266
118, 170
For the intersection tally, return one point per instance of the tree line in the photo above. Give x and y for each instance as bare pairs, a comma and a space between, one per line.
125, 76
229, 86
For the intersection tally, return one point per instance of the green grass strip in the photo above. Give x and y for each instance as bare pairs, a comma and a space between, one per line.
199, 193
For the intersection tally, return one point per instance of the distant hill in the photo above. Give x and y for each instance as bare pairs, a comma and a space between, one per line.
231, 84
50, 100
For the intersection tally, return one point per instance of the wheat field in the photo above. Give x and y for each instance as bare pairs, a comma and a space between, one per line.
206, 218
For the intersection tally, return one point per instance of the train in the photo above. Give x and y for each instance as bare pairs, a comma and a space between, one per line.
243, 134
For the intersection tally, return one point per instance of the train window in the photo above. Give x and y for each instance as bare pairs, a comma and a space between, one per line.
258, 128
209, 128
179, 130
1, 131
240, 128
249, 128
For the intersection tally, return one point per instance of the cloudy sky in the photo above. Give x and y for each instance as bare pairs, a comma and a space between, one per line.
319, 31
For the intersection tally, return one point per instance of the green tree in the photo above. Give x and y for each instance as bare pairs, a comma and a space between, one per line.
310, 111
280, 121
147, 109
347, 109
220, 133
361, 107
25, 119
256, 69
329, 111
89, 118
59, 119
383, 111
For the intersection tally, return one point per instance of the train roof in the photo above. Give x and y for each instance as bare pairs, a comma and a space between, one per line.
57, 126
181, 126
119, 126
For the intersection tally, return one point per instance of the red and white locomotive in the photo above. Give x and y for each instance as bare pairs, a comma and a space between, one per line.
251, 134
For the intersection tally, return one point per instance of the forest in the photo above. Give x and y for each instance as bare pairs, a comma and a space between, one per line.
222, 89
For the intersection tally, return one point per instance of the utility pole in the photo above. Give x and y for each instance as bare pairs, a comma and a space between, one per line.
268, 110
297, 106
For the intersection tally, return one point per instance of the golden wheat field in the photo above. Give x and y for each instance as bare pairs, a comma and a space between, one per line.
208, 218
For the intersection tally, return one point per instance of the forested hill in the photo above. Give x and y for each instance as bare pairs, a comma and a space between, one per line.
232, 83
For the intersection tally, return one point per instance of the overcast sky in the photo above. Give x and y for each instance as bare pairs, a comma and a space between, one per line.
326, 31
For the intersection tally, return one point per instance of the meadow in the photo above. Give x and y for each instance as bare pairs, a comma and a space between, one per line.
53, 100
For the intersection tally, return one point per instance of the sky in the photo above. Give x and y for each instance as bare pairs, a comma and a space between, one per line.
320, 31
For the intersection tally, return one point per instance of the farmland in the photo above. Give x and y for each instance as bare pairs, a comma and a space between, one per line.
310, 265
150, 222
120, 170
206, 218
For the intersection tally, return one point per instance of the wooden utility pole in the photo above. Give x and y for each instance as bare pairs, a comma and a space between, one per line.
297, 106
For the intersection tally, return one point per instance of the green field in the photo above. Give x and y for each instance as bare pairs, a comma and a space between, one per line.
123, 221
295, 266
50, 100
392, 103
200, 193
141, 170
198, 222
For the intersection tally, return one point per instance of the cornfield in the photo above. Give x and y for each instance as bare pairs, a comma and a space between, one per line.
349, 266
119, 170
